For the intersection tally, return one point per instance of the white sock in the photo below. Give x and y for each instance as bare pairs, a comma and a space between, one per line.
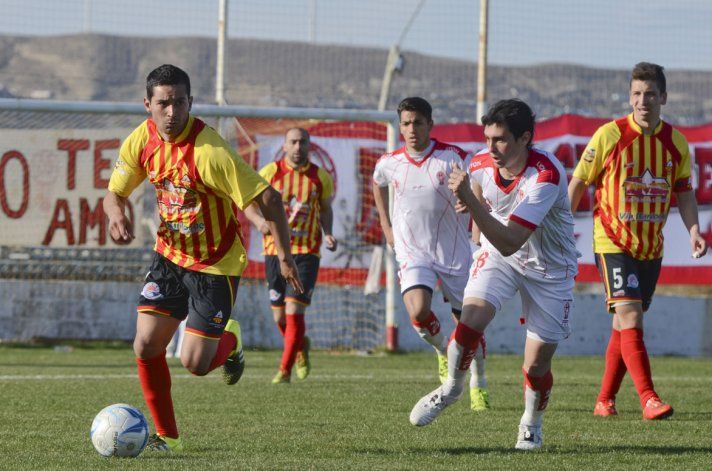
478, 379
455, 383
429, 330
532, 415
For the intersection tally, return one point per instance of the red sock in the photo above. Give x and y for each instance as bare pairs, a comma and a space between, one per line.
636, 360
540, 384
469, 339
227, 344
431, 324
282, 328
155, 378
293, 338
615, 369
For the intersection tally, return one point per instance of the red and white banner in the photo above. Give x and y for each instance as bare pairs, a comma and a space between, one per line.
51, 186
52, 182
350, 152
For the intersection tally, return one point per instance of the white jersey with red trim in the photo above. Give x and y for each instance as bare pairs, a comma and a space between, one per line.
426, 229
537, 199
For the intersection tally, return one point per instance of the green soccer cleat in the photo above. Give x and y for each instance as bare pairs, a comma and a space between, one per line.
303, 364
281, 378
442, 367
479, 399
159, 443
235, 364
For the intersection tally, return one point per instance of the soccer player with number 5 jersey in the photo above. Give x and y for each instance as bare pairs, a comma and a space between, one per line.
635, 163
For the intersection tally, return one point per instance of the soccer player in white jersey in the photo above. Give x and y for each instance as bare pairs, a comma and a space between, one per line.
517, 196
429, 237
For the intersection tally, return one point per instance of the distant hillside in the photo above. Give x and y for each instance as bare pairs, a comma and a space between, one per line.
271, 73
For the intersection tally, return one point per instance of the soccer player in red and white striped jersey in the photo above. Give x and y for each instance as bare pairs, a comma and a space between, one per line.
635, 163
200, 182
307, 191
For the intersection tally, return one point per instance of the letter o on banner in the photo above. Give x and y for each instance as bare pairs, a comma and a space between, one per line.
15, 213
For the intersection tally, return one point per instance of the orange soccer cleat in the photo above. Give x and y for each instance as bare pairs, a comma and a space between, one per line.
605, 408
655, 409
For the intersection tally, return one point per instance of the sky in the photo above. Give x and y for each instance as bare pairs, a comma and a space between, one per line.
597, 33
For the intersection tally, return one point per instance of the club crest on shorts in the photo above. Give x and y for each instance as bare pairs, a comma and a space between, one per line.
273, 295
151, 291
218, 318
632, 281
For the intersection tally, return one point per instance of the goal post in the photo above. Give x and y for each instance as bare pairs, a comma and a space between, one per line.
55, 161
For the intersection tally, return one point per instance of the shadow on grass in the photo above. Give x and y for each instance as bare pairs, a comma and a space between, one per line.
574, 450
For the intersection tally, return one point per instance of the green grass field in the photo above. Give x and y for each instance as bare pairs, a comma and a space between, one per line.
351, 413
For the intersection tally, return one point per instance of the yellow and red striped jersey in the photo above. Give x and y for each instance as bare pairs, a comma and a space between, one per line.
200, 181
304, 191
634, 175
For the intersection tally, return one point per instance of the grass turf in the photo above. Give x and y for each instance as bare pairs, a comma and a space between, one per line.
351, 413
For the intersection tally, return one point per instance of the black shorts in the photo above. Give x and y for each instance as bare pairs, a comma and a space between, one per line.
628, 279
205, 299
280, 291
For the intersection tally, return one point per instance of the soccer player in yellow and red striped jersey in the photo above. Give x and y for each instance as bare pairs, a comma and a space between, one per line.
635, 164
200, 182
307, 191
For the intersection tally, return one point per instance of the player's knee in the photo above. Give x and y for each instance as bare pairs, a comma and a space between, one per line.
194, 367
144, 349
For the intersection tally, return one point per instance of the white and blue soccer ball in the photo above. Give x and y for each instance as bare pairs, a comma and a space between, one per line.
119, 430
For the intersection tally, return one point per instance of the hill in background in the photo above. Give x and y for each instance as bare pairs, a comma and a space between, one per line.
272, 73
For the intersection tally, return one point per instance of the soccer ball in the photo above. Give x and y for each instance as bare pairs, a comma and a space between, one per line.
119, 430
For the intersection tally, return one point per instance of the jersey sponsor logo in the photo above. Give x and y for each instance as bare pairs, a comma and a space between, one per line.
646, 187
628, 216
633, 281
151, 291
274, 295
589, 155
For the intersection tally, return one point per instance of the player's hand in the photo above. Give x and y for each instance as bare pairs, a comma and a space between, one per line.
461, 207
330, 242
290, 273
698, 244
121, 230
459, 183
264, 228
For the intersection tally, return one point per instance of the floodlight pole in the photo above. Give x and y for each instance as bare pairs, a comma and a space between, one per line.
220, 62
482, 64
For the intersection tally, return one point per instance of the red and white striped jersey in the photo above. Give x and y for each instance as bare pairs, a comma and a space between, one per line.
537, 199
426, 228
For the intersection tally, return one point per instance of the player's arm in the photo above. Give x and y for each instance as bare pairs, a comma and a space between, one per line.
272, 209
380, 195
254, 215
576, 189
507, 239
688, 212
120, 227
326, 215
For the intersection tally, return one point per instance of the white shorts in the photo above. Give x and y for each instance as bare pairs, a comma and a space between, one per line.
547, 304
452, 285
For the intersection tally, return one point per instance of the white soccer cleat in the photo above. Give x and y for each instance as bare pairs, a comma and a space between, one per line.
529, 438
430, 406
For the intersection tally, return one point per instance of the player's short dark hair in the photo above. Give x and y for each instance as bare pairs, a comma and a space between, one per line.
650, 72
166, 74
515, 114
417, 104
